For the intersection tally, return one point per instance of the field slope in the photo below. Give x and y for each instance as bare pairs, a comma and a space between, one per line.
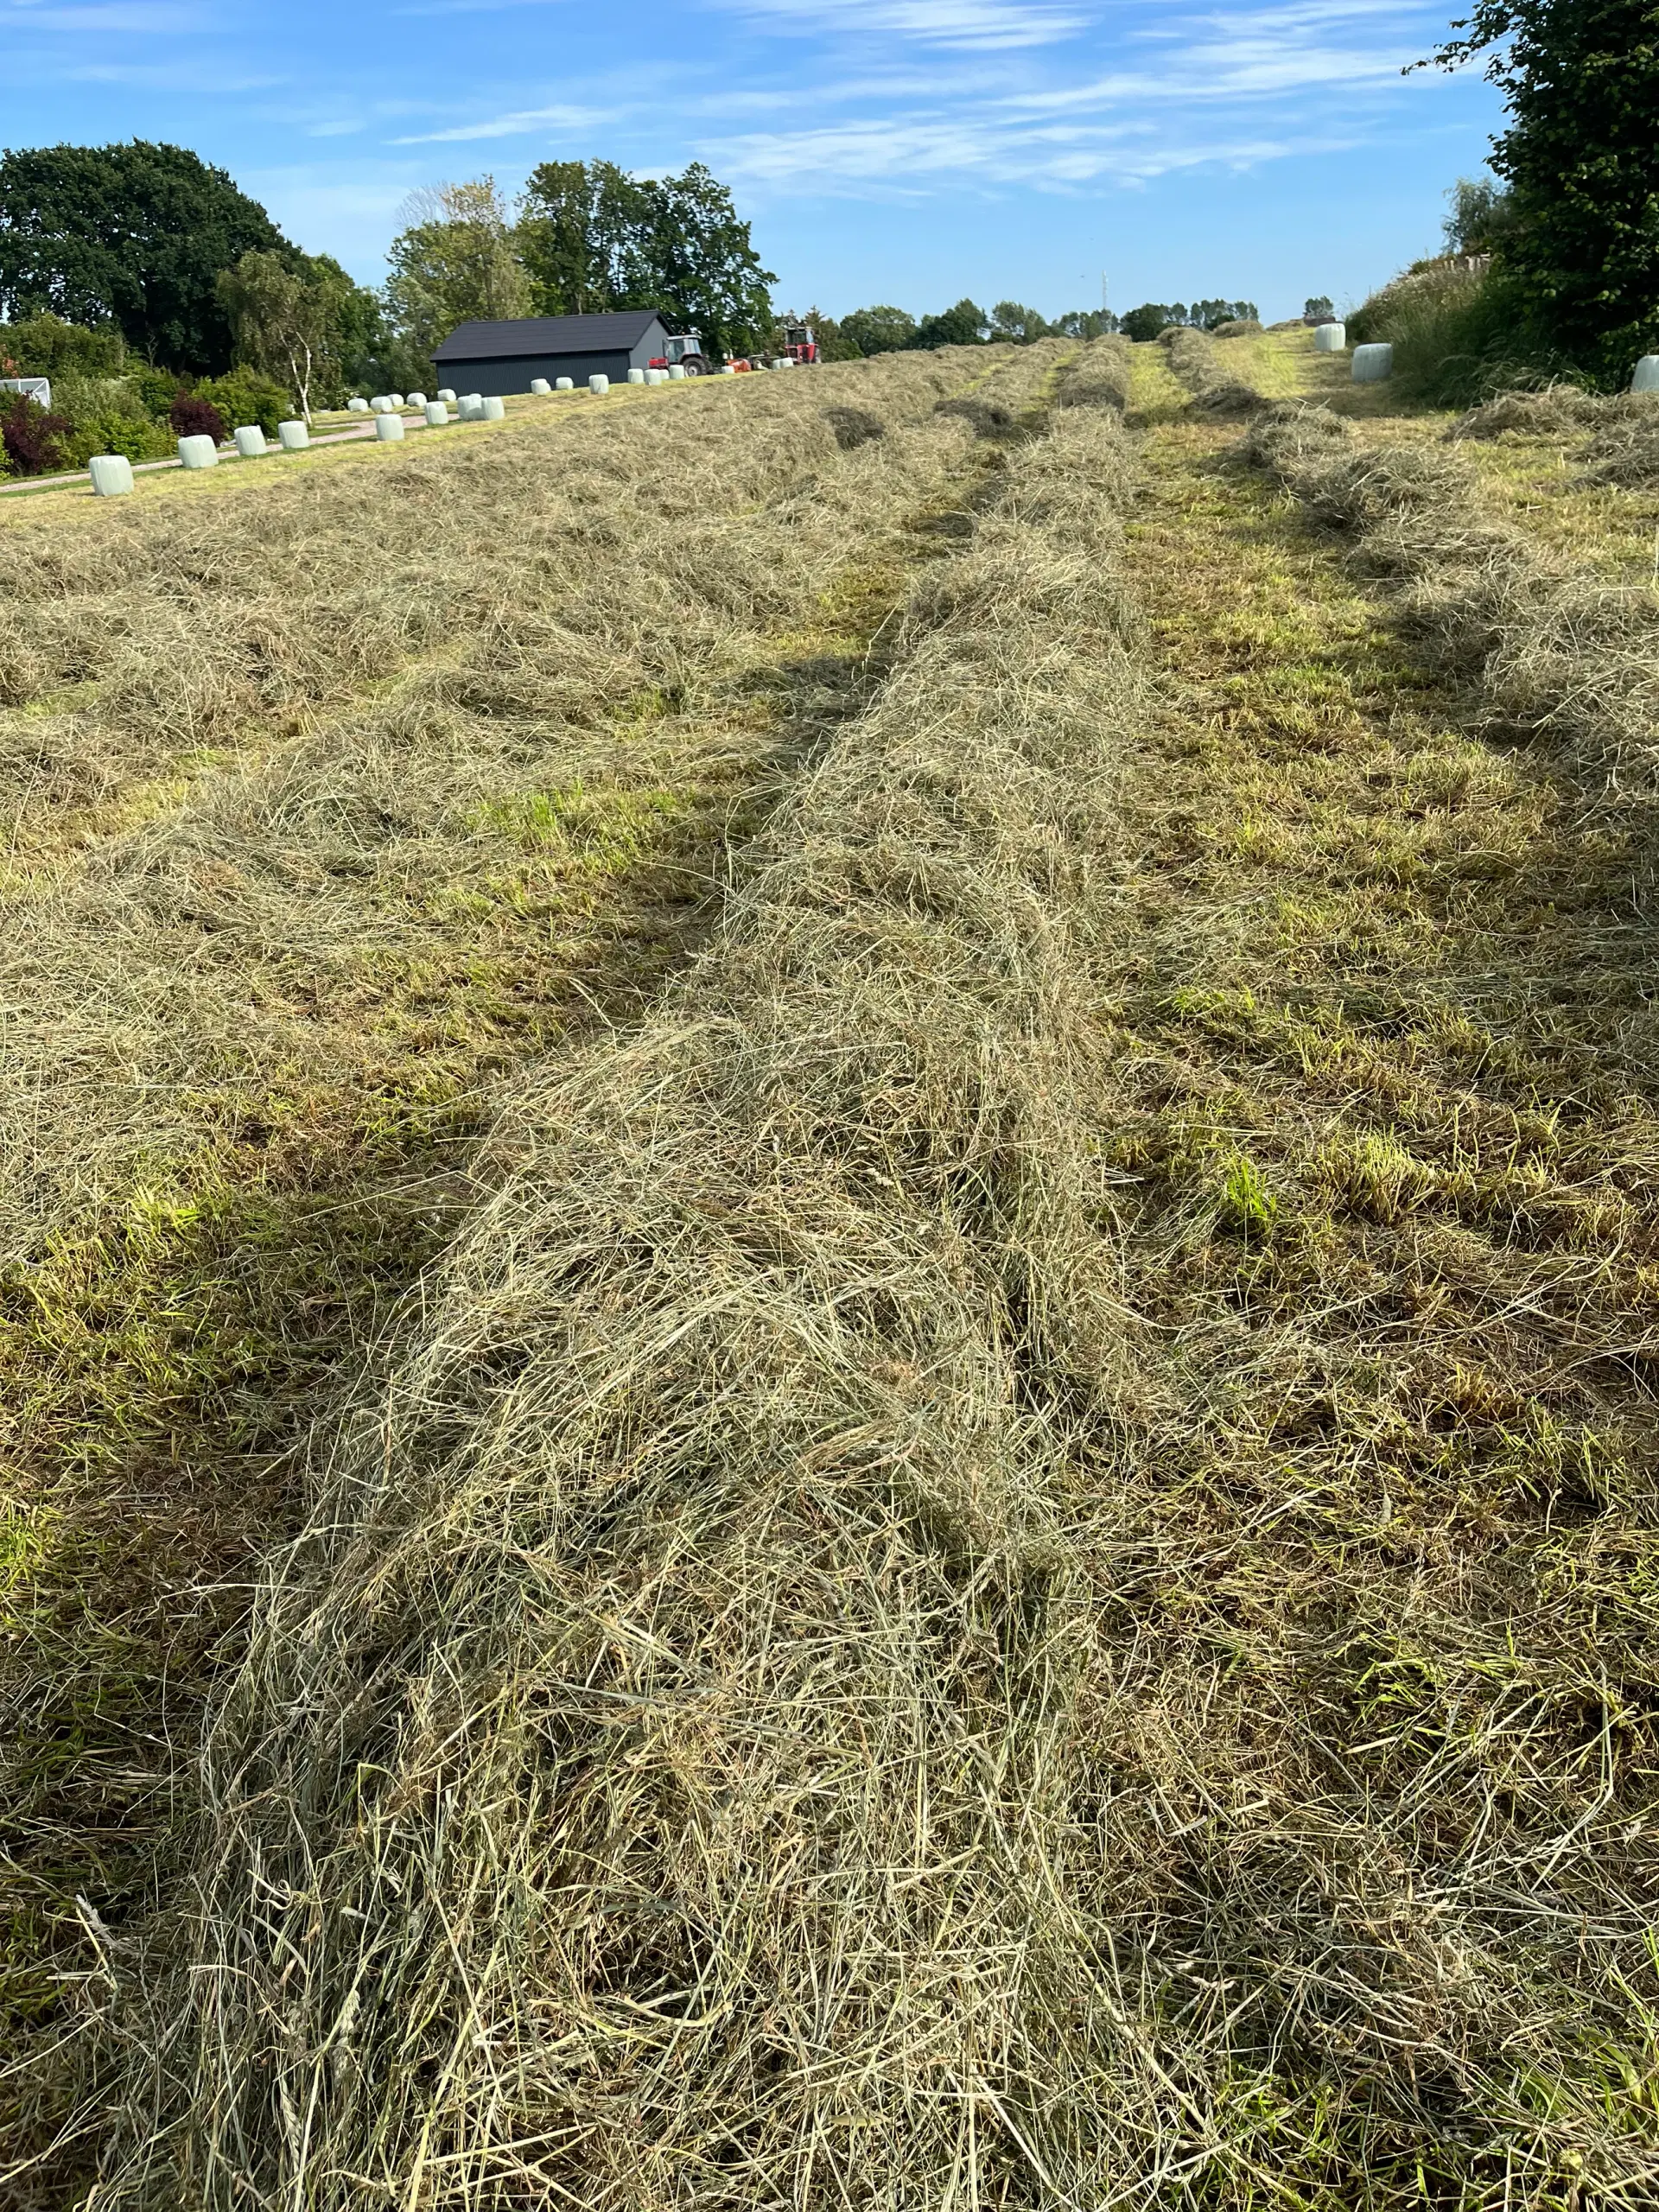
1005, 1554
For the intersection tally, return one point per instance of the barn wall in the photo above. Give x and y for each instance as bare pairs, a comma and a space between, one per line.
501, 378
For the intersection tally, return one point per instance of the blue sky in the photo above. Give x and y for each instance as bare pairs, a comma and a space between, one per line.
887, 150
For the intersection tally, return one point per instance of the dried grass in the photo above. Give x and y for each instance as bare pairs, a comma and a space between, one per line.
1216, 389
1100, 377
1625, 448
1542, 649
1556, 411
648, 1783
482, 716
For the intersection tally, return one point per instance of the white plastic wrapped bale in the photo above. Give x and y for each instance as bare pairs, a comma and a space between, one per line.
293, 438
493, 410
597, 383
388, 428
1330, 337
250, 442
656, 375
726, 369
380, 406
676, 373
415, 399
357, 404
1647, 374
565, 383
395, 398
446, 395
637, 375
437, 414
1373, 364
540, 386
112, 475
198, 452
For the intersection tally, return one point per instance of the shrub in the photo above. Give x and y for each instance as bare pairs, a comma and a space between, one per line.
243, 395
45, 346
156, 390
197, 418
33, 439
115, 429
1458, 335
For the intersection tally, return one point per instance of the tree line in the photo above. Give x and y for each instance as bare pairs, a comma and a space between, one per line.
161, 250
889, 330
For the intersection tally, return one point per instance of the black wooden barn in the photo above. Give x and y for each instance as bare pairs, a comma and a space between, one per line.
496, 359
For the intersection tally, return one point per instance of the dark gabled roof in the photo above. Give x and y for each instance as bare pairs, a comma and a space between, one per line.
546, 334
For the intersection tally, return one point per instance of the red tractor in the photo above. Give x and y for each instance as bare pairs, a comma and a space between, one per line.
685, 353
800, 345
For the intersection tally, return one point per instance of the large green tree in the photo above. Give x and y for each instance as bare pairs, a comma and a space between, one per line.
584, 237
288, 321
457, 261
880, 330
593, 239
1579, 250
135, 235
1021, 324
965, 324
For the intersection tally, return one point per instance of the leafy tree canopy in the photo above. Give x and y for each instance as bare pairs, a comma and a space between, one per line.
880, 330
45, 346
295, 322
456, 262
962, 325
133, 236
1144, 322
1579, 250
1086, 323
1023, 325
584, 237
1479, 212
591, 238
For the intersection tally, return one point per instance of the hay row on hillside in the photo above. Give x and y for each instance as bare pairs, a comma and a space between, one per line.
1622, 448
194, 940
257, 996
198, 616
1544, 650
1215, 385
649, 1781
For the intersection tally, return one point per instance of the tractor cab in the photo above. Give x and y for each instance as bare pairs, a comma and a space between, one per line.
685, 353
800, 345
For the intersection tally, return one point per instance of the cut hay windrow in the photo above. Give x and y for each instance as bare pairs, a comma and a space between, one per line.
1209, 376
283, 907
1541, 649
652, 1781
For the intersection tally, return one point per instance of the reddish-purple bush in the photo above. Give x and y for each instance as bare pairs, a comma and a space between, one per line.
197, 418
33, 439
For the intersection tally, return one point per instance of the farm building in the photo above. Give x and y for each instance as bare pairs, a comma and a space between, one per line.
498, 357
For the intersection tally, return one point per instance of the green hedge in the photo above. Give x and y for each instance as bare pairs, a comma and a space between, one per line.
1457, 335
244, 397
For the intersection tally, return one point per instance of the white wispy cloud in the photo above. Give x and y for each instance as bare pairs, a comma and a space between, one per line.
907, 155
1275, 67
571, 120
970, 25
